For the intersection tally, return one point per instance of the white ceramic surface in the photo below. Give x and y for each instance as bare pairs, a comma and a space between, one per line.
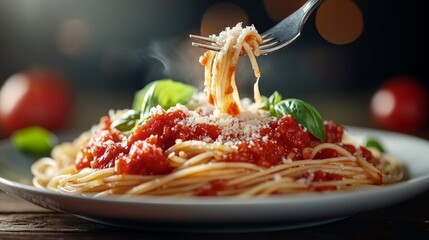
221, 214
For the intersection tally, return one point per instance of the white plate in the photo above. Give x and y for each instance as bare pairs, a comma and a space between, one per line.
220, 214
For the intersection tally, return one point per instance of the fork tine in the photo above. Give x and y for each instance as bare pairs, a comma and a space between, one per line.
264, 46
207, 39
269, 39
266, 35
268, 45
209, 47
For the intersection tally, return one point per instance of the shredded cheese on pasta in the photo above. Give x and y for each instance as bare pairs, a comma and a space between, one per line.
220, 85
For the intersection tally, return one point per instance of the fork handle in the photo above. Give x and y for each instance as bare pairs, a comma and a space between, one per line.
287, 26
308, 8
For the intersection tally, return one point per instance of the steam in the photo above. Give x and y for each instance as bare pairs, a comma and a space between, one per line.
178, 59
172, 59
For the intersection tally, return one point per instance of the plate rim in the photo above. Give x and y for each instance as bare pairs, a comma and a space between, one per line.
410, 188
215, 200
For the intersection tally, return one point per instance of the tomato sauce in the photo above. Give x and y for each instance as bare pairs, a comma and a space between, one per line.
281, 139
143, 152
233, 109
213, 188
320, 176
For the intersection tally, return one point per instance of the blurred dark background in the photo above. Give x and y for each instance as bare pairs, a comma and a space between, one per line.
109, 49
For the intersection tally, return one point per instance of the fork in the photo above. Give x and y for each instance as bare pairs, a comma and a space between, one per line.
276, 38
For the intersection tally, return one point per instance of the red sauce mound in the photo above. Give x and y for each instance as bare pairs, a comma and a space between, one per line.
143, 152
334, 132
167, 128
145, 159
283, 138
102, 149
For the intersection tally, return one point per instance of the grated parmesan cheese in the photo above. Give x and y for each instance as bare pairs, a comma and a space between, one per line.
277, 177
243, 127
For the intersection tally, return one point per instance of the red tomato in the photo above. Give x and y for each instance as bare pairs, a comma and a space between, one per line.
36, 97
401, 104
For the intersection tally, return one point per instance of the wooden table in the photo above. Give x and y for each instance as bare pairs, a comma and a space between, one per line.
408, 220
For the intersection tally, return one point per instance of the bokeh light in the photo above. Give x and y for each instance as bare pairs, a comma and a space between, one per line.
11, 92
221, 15
383, 103
280, 9
339, 21
72, 37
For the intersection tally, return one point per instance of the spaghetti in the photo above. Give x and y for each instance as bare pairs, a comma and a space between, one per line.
234, 149
220, 86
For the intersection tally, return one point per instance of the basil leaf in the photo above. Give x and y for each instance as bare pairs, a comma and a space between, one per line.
304, 114
166, 93
148, 100
373, 143
275, 98
127, 121
34, 140
270, 102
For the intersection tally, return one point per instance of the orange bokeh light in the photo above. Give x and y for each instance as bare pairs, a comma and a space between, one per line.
280, 9
72, 37
221, 15
339, 21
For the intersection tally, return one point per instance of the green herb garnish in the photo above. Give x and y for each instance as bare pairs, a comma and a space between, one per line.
303, 112
127, 121
271, 102
374, 143
34, 140
165, 93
